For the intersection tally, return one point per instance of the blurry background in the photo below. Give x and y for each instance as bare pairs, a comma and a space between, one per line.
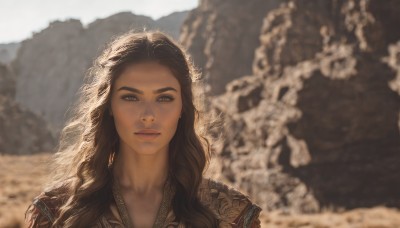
309, 92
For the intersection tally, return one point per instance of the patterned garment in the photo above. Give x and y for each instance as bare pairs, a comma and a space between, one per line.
232, 208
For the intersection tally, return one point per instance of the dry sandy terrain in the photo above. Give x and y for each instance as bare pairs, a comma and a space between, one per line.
22, 177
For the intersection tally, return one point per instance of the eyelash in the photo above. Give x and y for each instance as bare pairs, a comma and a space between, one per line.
132, 96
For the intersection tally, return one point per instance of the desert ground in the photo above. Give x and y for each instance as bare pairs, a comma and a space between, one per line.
23, 177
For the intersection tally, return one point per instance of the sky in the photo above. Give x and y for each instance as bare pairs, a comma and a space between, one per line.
19, 18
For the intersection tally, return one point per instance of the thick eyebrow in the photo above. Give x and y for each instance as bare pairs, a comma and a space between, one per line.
134, 90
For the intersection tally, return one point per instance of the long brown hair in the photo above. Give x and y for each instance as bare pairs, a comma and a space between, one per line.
89, 141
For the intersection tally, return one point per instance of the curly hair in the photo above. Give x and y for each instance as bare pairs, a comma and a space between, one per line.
90, 141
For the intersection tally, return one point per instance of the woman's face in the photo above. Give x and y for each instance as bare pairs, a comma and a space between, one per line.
146, 104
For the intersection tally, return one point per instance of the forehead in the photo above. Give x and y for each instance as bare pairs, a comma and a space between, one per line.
147, 74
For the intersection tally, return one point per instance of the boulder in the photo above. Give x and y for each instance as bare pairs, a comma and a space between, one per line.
316, 124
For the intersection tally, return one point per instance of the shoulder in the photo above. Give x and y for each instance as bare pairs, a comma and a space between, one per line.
44, 208
230, 205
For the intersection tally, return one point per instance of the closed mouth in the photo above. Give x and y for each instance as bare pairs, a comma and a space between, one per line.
147, 136
148, 132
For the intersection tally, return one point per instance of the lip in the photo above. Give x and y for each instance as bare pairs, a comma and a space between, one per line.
147, 134
148, 131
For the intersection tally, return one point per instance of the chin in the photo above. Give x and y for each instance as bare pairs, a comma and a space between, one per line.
147, 150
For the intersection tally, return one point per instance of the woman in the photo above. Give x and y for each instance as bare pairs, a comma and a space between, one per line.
133, 155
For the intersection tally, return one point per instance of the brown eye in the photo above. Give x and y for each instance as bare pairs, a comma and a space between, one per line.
166, 99
129, 98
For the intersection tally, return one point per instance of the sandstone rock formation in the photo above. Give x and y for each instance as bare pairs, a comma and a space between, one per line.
21, 131
7, 81
8, 52
50, 66
172, 23
316, 123
222, 36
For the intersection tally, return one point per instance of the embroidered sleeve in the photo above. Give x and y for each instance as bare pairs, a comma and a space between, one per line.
38, 215
251, 217
232, 208
42, 212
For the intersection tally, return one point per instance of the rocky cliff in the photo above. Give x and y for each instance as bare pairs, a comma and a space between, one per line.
172, 23
7, 81
50, 66
312, 122
222, 36
21, 131
8, 52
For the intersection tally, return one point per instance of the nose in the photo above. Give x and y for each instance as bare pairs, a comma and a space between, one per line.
147, 114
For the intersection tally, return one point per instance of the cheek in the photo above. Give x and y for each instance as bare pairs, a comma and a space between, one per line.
170, 113
169, 117
123, 117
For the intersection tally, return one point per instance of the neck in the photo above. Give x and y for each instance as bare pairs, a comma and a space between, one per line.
141, 173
